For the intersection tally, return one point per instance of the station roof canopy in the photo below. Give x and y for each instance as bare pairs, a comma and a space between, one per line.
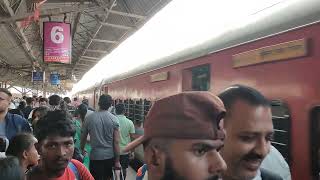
97, 27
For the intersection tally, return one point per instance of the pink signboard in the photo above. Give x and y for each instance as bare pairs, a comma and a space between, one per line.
56, 42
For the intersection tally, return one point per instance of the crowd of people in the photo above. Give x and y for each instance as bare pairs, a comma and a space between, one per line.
186, 136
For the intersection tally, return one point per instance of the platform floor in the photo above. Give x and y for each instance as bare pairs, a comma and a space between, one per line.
131, 174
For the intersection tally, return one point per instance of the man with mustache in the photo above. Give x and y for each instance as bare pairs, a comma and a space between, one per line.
249, 127
55, 133
183, 136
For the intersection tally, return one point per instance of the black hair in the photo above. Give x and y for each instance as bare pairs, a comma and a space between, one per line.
85, 101
245, 93
16, 111
29, 100
82, 111
4, 90
10, 169
75, 99
43, 110
22, 105
138, 122
43, 99
105, 102
20, 143
67, 100
55, 123
54, 100
120, 108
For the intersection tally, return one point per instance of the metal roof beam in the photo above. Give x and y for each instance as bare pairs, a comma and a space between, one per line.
105, 41
126, 14
89, 57
105, 7
87, 65
89, 60
96, 51
116, 26
16, 31
112, 4
48, 12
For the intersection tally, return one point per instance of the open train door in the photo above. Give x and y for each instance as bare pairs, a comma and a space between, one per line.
315, 142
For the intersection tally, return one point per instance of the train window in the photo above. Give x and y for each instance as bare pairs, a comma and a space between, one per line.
138, 111
282, 125
201, 78
315, 143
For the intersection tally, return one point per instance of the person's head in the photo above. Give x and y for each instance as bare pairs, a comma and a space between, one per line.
29, 101
138, 123
85, 101
39, 113
55, 133
54, 100
10, 169
5, 99
75, 99
248, 123
23, 147
120, 108
22, 105
43, 101
67, 100
183, 137
105, 101
81, 111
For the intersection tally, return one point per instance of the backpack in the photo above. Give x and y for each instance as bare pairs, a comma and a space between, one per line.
74, 169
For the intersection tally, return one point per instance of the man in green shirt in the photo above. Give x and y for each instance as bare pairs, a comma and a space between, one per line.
126, 135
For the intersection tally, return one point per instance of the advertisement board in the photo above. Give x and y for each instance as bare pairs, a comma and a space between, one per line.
55, 79
56, 42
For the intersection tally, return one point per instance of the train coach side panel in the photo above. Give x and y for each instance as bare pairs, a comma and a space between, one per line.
295, 81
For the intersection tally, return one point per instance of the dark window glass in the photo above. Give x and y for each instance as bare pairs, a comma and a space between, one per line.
282, 125
201, 78
315, 142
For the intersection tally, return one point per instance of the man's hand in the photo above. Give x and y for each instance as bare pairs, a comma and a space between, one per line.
131, 155
117, 165
84, 152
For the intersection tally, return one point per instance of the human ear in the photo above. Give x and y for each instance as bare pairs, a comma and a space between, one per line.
25, 155
156, 160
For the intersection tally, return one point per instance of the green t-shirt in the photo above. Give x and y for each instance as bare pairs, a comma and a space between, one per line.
126, 128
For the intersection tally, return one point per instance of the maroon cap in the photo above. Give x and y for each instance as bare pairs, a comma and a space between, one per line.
187, 115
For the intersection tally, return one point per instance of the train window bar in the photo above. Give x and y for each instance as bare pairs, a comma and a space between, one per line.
282, 128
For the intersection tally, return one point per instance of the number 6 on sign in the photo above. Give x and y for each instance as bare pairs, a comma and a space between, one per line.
57, 35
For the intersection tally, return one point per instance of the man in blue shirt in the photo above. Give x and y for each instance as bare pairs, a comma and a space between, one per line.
10, 124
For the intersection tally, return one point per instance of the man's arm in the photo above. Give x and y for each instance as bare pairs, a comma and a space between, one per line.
84, 135
116, 147
132, 132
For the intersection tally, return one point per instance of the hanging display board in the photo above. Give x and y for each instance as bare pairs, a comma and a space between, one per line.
55, 79
56, 42
38, 76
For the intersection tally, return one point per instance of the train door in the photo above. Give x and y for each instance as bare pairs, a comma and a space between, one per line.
315, 142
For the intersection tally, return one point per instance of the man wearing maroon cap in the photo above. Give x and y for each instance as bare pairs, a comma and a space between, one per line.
183, 137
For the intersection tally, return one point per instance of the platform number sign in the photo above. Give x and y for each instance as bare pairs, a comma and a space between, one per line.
56, 42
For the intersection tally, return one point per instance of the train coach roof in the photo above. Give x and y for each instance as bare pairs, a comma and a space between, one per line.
294, 15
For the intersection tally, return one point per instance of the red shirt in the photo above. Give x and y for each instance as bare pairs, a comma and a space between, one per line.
68, 174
